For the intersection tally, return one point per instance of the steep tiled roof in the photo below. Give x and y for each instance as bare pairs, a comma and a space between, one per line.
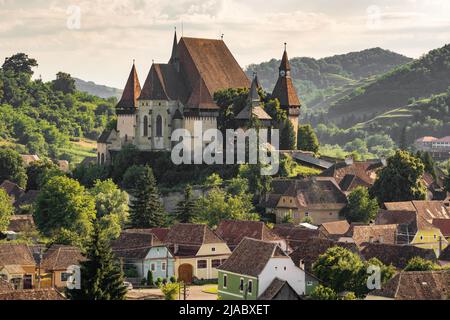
21, 223
234, 231
274, 289
349, 176
134, 245
426, 211
12, 189
131, 92
212, 61
104, 136
192, 234
59, 257
336, 227
374, 233
295, 235
397, 255
445, 254
16, 254
310, 250
42, 294
443, 225
424, 285
160, 233
251, 256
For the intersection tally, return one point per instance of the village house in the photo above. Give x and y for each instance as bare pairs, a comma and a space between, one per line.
54, 267
17, 265
234, 231
19, 224
317, 198
19, 197
423, 285
279, 290
334, 230
197, 250
439, 148
141, 251
252, 269
361, 235
351, 174
424, 234
396, 255
295, 235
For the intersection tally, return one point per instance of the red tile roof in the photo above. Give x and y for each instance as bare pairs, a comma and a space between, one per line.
443, 225
59, 257
284, 89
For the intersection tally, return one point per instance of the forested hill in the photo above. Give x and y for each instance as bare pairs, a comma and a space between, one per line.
42, 118
97, 89
419, 79
316, 80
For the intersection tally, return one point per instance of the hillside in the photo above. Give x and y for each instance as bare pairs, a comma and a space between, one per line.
418, 79
97, 90
317, 80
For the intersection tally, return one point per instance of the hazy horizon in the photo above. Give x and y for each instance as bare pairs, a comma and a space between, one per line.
98, 40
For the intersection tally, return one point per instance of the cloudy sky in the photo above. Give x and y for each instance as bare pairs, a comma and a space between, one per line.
98, 39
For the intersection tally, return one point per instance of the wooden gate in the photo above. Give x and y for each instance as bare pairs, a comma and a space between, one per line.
185, 273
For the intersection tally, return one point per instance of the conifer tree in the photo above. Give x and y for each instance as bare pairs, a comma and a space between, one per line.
146, 210
288, 139
185, 210
307, 139
101, 276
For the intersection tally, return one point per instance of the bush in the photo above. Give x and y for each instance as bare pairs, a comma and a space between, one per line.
324, 293
150, 278
173, 279
170, 290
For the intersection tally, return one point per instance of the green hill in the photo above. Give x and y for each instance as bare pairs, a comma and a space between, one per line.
420, 78
318, 80
94, 89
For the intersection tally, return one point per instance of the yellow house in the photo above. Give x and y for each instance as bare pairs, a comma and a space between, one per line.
198, 251
423, 234
17, 265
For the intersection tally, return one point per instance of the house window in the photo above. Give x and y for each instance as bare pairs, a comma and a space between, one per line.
153, 267
163, 266
202, 264
213, 249
306, 214
225, 281
216, 263
241, 285
65, 276
159, 125
250, 286
145, 126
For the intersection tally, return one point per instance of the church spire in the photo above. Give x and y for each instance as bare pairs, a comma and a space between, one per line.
253, 94
174, 57
285, 65
131, 91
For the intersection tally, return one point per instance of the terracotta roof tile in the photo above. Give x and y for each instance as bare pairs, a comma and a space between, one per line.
336, 227
374, 233
16, 254
251, 256
21, 223
274, 289
59, 257
284, 89
443, 225
192, 234
43, 294
131, 92
134, 244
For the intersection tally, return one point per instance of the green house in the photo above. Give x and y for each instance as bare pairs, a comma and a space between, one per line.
253, 268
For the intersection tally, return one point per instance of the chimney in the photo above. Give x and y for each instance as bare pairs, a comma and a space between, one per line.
349, 160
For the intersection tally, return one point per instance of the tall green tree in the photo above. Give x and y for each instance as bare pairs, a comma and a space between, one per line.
420, 264
111, 205
64, 207
186, 209
64, 83
146, 210
287, 136
403, 143
361, 208
101, 275
307, 139
6, 210
400, 180
428, 162
12, 168
19, 63
38, 172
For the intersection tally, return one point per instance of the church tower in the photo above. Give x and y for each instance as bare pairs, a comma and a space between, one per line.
127, 107
285, 92
174, 58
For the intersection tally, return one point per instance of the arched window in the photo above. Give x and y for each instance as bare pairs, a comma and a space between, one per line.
98, 158
145, 126
103, 158
159, 126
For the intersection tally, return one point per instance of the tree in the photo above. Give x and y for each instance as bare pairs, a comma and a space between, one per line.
420, 264
400, 180
403, 143
63, 205
428, 162
6, 210
170, 290
219, 205
64, 83
214, 180
361, 208
307, 139
339, 269
127, 157
101, 276
19, 63
186, 208
146, 210
288, 141
447, 179
40, 171
131, 177
149, 279
324, 293
111, 205
11, 167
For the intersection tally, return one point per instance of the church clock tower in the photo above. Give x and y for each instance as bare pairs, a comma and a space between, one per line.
285, 92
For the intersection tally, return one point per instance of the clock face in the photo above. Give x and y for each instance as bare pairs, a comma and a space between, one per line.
282, 73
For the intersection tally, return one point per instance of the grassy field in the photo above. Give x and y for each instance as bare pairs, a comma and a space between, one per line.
81, 149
